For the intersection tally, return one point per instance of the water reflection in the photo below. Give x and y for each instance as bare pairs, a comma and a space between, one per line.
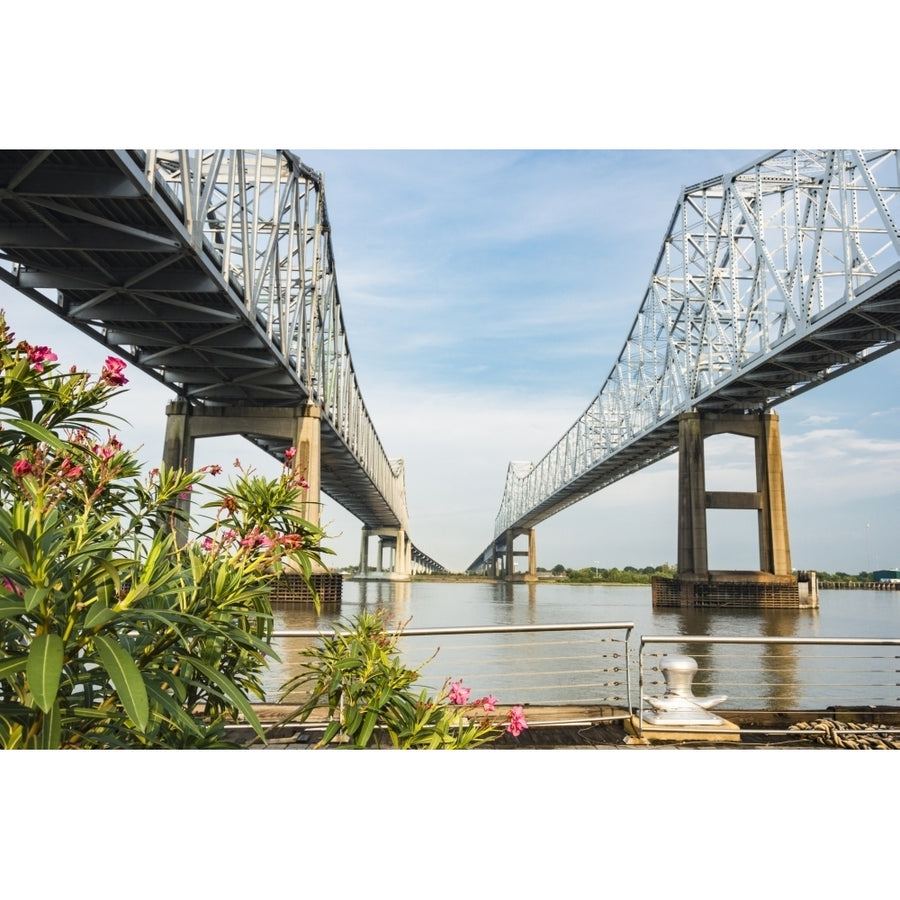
752, 675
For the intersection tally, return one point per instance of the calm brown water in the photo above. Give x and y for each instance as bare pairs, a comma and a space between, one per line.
754, 675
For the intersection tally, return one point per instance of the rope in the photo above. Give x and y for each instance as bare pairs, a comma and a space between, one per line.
848, 735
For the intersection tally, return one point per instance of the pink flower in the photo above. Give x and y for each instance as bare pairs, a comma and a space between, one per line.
290, 453
21, 467
207, 543
37, 356
12, 586
256, 539
458, 694
111, 373
517, 723
489, 702
105, 451
303, 483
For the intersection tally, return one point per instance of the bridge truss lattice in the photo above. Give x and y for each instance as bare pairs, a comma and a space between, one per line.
214, 272
263, 215
769, 281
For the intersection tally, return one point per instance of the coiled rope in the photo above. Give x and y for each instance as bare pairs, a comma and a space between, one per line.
848, 735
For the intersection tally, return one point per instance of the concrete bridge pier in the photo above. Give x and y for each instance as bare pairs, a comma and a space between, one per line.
395, 542
505, 553
298, 427
774, 584
294, 426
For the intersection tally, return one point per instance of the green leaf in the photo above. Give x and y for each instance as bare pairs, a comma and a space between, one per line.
172, 707
23, 544
11, 606
330, 733
98, 615
367, 727
138, 592
43, 669
34, 597
126, 679
12, 665
50, 735
38, 432
232, 692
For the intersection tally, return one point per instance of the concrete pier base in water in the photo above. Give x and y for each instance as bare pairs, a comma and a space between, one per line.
737, 589
293, 589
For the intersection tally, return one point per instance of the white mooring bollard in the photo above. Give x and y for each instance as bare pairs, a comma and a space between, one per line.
678, 706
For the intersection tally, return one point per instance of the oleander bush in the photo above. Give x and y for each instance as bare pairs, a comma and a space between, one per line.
112, 633
373, 701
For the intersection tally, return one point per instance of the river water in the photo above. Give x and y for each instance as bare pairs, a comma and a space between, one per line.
781, 676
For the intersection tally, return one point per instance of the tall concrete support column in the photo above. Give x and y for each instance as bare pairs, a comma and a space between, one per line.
774, 542
178, 449
768, 498
178, 453
510, 554
364, 553
308, 459
402, 555
692, 539
532, 555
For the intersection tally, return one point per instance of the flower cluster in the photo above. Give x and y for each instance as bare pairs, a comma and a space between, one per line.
111, 373
459, 696
37, 356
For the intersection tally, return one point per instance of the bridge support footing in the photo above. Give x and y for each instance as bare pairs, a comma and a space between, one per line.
293, 589
737, 589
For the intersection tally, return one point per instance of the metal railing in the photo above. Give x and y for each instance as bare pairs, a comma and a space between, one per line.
790, 680
568, 674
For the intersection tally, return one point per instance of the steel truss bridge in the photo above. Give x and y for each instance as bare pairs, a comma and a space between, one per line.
213, 272
770, 281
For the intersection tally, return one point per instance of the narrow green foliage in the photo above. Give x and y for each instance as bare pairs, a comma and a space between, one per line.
371, 696
126, 679
43, 669
112, 633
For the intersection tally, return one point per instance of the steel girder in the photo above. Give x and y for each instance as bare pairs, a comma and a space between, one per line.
769, 281
214, 272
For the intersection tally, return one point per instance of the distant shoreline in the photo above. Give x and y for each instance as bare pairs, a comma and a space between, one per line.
483, 579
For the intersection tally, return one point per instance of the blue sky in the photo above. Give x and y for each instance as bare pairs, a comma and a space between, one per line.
486, 295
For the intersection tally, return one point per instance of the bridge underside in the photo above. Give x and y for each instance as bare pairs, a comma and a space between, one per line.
209, 291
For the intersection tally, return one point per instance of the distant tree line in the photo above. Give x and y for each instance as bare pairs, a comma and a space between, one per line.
842, 576
597, 574
633, 575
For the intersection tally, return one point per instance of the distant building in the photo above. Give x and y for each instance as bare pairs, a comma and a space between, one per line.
886, 575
